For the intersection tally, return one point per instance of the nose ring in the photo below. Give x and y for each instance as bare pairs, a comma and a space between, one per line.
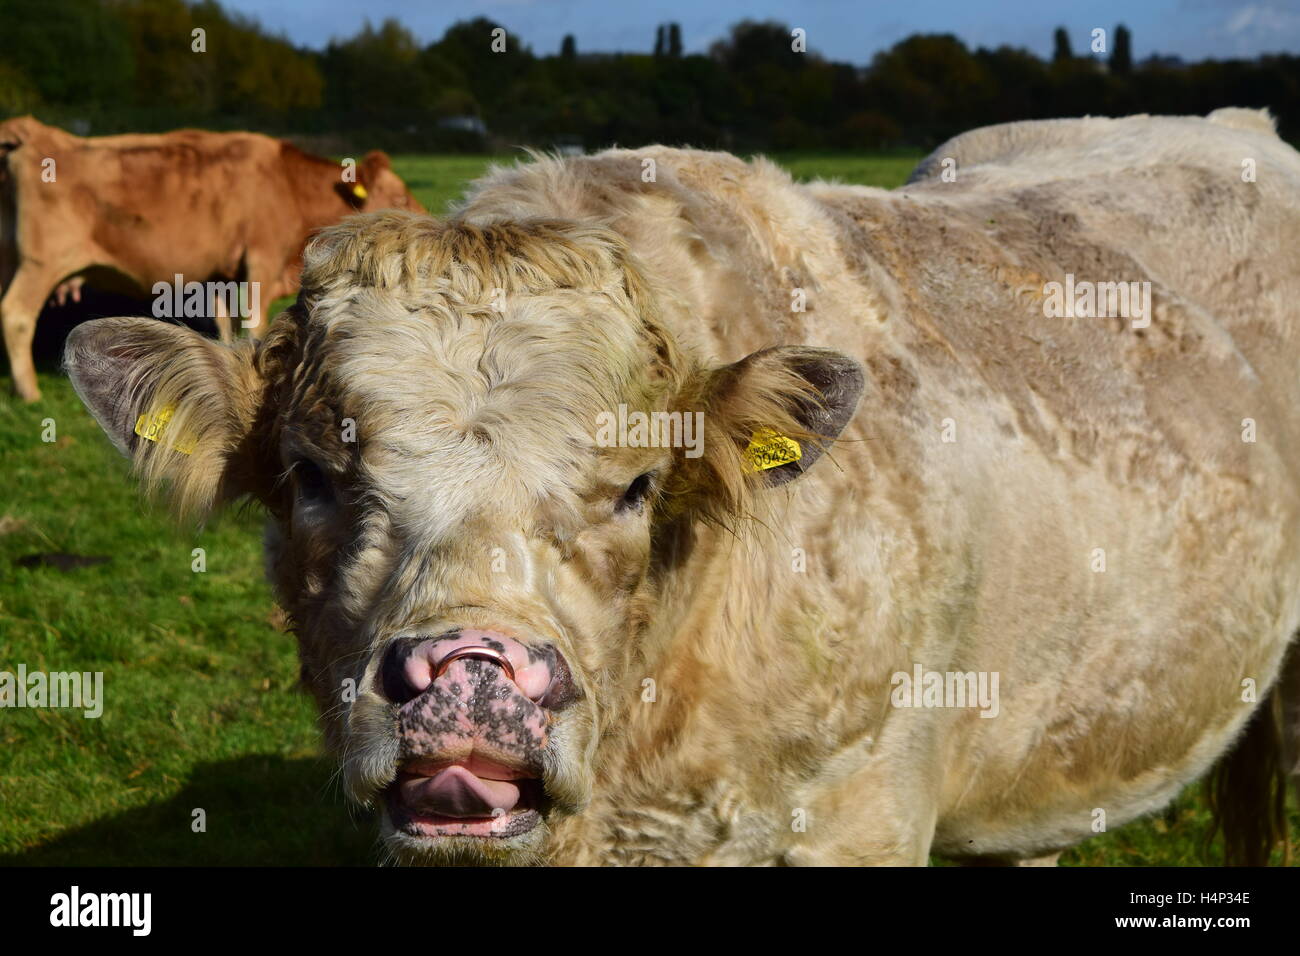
478, 652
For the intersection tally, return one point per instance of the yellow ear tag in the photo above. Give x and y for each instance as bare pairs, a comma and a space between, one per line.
360, 191
151, 426
768, 449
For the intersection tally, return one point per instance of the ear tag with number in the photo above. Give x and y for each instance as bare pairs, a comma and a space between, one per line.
769, 449
152, 425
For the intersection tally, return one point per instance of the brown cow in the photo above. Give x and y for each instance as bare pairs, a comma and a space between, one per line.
1045, 577
205, 206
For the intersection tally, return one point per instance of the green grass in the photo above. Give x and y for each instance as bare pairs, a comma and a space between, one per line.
438, 180
888, 169
202, 709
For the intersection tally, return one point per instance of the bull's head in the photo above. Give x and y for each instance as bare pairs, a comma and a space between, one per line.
473, 572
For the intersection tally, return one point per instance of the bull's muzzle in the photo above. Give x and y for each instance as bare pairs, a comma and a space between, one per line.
474, 714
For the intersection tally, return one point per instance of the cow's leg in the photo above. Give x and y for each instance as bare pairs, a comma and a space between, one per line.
258, 329
268, 292
19, 309
267, 282
225, 328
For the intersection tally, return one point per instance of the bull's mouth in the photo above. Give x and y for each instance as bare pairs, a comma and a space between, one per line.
473, 721
471, 798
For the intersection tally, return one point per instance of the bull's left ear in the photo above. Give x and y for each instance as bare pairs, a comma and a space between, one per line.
781, 409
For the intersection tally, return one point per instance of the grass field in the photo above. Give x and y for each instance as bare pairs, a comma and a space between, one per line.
202, 709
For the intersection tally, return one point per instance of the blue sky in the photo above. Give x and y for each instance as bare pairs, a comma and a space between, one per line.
849, 30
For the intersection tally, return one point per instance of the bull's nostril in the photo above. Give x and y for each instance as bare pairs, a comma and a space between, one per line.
562, 690
412, 664
478, 652
392, 672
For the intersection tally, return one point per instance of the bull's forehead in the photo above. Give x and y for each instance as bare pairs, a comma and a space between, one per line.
472, 412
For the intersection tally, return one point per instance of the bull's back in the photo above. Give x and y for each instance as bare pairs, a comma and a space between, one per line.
1118, 500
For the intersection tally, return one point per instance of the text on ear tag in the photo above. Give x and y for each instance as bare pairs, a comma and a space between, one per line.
768, 449
151, 426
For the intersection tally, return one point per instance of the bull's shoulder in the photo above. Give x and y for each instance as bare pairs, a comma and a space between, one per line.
1009, 143
615, 180
1038, 151
1235, 117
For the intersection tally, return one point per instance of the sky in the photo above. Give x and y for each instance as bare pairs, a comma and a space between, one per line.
845, 30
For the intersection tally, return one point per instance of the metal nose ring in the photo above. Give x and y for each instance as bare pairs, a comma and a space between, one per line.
476, 651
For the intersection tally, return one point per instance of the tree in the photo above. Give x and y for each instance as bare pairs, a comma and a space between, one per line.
674, 40
932, 84
469, 47
1061, 52
17, 93
568, 47
659, 40
73, 52
376, 72
753, 47
1121, 58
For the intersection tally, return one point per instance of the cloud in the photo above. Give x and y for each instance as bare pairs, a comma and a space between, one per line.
1257, 28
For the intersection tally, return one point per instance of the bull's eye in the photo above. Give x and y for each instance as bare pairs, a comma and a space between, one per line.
634, 498
312, 485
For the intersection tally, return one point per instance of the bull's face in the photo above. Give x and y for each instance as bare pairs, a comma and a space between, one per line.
470, 550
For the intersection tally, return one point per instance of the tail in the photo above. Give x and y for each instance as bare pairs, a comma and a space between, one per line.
1247, 790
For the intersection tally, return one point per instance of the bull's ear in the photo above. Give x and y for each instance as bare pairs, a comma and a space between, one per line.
768, 418
786, 406
181, 406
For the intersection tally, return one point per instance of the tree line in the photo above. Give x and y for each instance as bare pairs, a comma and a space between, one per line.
106, 66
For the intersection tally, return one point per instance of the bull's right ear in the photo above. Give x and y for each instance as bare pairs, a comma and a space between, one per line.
184, 408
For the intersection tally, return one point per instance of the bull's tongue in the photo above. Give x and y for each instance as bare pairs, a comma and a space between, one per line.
455, 792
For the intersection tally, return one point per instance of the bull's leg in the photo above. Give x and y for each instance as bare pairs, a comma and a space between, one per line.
19, 309
1288, 688
1050, 860
868, 819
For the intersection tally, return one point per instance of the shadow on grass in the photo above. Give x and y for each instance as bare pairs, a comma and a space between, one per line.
262, 810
